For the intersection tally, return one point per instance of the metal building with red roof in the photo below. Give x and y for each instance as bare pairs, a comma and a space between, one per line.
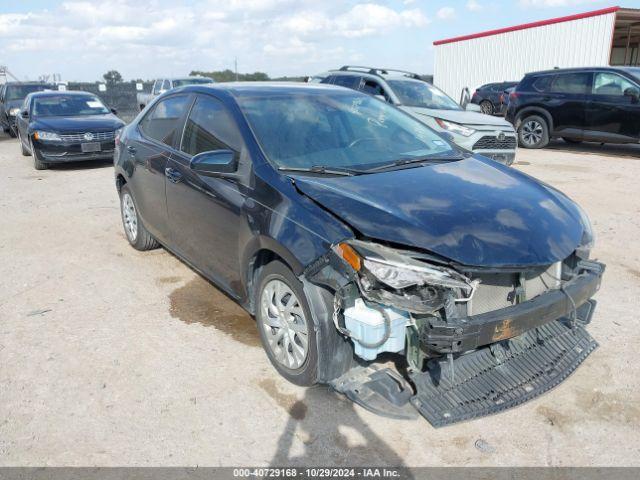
609, 36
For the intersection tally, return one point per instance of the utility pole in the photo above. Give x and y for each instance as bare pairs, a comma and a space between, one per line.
235, 61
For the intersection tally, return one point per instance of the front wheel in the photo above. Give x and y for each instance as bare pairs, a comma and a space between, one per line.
533, 132
286, 325
37, 163
25, 151
138, 236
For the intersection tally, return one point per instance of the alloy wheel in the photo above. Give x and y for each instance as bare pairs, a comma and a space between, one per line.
532, 132
284, 324
129, 217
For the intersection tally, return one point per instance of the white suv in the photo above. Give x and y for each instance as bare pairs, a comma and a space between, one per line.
486, 135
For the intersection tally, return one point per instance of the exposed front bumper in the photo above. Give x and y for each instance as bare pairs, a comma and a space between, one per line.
464, 334
62, 152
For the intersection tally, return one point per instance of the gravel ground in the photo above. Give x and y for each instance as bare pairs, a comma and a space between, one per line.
109, 356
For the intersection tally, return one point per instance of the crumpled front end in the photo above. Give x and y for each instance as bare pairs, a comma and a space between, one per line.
476, 341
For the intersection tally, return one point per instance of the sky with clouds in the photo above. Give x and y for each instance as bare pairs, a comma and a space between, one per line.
144, 39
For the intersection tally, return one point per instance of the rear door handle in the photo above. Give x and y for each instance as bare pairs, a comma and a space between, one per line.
173, 175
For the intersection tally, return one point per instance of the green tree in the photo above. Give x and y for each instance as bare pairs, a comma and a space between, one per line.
112, 77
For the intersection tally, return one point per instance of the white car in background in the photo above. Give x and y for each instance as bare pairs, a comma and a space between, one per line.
486, 135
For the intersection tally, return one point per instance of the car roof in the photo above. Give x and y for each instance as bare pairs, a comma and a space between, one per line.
191, 77
12, 84
372, 76
577, 70
57, 93
241, 89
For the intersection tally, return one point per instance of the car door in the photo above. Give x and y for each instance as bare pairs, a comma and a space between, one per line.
566, 100
205, 211
150, 147
348, 81
613, 109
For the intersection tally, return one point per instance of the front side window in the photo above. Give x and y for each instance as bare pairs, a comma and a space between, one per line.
162, 122
68, 106
209, 127
571, 83
339, 130
606, 83
414, 93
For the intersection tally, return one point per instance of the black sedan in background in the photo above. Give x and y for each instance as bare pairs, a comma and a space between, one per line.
488, 97
57, 127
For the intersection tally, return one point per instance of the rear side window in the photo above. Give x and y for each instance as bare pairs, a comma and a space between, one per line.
162, 122
210, 127
542, 84
573, 83
348, 81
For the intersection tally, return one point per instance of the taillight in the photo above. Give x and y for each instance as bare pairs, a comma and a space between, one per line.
513, 96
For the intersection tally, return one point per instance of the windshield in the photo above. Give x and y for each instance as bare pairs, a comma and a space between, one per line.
18, 92
191, 81
413, 93
337, 130
68, 105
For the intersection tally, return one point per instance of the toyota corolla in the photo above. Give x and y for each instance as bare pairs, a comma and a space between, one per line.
349, 230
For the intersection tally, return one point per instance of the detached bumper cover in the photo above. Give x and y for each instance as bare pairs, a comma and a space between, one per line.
494, 379
469, 333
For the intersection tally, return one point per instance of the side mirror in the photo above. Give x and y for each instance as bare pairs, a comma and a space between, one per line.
213, 163
472, 107
114, 111
632, 92
24, 114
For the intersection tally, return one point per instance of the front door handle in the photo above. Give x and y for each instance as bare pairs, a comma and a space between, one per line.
173, 175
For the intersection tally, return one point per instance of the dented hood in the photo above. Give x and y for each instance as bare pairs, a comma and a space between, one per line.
474, 212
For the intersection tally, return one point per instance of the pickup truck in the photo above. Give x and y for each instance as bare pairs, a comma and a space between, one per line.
161, 85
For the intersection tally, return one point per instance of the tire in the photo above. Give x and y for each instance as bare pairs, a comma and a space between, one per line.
572, 141
533, 132
276, 283
135, 231
487, 107
23, 150
37, 163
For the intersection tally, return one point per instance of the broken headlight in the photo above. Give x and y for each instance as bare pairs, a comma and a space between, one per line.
393, 277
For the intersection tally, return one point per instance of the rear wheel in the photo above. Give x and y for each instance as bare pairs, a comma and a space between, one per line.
533, 132
138, 236
571, 140
486, 107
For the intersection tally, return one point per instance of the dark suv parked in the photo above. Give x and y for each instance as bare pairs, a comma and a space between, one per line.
489, 97
11, 97
590, 104
349, 229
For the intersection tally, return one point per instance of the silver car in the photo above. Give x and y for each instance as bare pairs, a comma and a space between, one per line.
490, 136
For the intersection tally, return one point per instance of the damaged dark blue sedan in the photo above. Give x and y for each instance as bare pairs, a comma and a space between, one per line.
351, 230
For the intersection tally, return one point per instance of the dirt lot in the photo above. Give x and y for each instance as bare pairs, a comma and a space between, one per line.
109, 356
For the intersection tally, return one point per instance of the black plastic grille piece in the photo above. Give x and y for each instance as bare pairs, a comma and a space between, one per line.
501, 376
489, 142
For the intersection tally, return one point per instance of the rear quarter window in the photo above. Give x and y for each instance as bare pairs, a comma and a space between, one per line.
542, 84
